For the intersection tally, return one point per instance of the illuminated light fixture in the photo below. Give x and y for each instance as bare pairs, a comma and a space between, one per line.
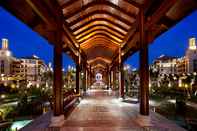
192, 44
3, 96
8, 53
37, 85
169, 85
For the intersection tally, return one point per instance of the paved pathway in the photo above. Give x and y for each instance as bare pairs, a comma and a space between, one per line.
101, 110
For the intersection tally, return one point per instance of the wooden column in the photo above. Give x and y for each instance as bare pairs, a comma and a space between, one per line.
57, 90
114, 79
90, 75
77, 78
84, 79
121, 81
107, 77
144, 69
110, 79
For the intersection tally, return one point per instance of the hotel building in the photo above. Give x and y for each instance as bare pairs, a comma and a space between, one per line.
165, 64
6, 59
25, 68
172, 65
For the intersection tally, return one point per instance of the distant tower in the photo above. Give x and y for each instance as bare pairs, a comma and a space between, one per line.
5, 44
192, 43
191, 56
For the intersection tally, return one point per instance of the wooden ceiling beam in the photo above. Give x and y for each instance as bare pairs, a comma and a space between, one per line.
99, 2
99, 36
152, 20
57, 12
105, 46
117, 40
104, 30
100, 12
134, 3
39, 8
98, 58
102, 25
159, 13
100, 19
146, 5
68, 3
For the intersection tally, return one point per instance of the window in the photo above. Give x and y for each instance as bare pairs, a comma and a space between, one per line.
194, 65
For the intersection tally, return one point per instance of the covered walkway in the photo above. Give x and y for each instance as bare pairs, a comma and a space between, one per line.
100, 35
101, 110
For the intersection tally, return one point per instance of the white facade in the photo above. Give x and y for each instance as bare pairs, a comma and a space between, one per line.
6, 59
28, 68
165, 64
32, 68
191, 56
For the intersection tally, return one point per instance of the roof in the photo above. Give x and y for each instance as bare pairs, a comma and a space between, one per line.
31, 57
165, 57
97, 29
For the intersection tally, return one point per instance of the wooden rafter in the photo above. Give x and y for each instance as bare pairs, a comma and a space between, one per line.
101, 12
108, 61
134, 3
103, 43
100, 23
101, 2
91, 40
99, 28
98, 17
100, 32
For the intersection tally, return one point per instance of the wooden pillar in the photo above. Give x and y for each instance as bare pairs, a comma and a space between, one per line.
121, 80
77, 78
110, 79
84, 79
107, 77
144, 69
114, 79
121, 75
57, 90
90, 75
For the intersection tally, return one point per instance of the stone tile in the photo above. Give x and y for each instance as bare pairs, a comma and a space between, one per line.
100, 110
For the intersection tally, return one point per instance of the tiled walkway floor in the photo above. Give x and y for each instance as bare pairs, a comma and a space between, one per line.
100, 110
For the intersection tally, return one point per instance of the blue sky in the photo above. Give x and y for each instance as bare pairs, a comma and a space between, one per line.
25, 42
172, 42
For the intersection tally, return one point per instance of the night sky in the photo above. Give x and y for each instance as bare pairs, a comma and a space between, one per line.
174, 42
25, 42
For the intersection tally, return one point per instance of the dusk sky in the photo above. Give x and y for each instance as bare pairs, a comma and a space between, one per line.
25, 42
